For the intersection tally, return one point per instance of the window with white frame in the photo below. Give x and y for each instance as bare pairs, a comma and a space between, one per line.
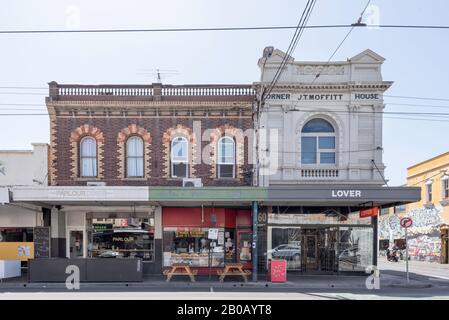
429, 191
445, 182
88, 157
179, 157
226, 157
134, 157
318, 143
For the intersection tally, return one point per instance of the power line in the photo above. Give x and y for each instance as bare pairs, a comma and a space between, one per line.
416, 98
344, 39
330, 26
291, 47
416, 105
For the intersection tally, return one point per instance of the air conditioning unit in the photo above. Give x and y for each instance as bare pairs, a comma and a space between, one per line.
189, 182
96, 184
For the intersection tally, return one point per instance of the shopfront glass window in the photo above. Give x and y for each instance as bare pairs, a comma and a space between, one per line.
244, 246
355, 248
286, 245
229, 244
192, 246
16, 234
127, 237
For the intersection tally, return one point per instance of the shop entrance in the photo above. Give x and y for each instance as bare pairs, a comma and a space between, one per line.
244, 241
76, 244
310, 252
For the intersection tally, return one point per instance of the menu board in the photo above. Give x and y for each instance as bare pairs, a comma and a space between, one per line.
41, 239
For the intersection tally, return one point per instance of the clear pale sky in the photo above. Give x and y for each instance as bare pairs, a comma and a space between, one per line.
416, 60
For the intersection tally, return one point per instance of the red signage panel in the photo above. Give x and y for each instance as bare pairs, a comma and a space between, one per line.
278, 270
370, 212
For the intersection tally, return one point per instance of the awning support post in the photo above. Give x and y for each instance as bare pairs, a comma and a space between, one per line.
255, 214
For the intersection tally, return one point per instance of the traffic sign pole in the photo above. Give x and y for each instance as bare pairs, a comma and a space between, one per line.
406, 223
406, 256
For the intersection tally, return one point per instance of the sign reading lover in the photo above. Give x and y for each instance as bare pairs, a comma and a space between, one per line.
346, 193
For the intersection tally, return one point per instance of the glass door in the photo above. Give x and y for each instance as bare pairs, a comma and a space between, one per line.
310, 250
76, 248
244, 251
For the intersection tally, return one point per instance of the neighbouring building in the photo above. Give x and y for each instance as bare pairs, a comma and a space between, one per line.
320, 152
19, 222
143, 171
428, 236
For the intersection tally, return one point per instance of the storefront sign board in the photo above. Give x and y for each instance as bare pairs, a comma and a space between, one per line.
370, 212
213, 234
278, 270
16, 251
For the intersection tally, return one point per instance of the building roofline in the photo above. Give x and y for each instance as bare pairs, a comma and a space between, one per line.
428, 160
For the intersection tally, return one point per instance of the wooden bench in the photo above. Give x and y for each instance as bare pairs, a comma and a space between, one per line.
233, 269
180, 270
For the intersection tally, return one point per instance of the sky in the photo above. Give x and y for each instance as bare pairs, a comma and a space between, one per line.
416, 60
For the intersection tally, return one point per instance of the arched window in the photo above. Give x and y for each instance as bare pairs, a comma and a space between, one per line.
226, 157
179, 157
318, 142
88, 157
134, 157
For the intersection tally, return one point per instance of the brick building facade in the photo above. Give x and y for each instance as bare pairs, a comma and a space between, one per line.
156, 113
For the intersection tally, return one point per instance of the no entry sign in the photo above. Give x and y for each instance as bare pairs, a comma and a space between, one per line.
406, 222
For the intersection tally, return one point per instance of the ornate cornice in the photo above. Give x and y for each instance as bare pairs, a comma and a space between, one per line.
344, 86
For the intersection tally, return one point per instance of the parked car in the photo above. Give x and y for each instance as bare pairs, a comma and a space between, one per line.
287, 252
110, 254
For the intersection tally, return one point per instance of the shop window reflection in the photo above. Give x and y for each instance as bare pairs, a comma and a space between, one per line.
191, 246
128, 237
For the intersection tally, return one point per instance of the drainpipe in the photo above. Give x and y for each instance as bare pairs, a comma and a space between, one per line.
255, 212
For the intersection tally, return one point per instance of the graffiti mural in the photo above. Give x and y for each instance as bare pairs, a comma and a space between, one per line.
425, 248
389, 227
423, 237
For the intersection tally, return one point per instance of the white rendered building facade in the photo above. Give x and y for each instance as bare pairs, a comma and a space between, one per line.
325, 128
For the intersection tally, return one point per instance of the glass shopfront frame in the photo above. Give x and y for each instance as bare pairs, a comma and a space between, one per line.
192, 245
336, 240
123, 236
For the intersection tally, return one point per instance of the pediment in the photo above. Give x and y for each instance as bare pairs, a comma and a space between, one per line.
367, 56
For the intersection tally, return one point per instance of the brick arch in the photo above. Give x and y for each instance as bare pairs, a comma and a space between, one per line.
123, 135
239, 138
167, 137
75, 138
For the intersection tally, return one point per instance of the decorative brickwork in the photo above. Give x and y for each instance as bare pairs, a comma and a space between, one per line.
178, 131
122, 137
112, 116
75, 138
53, 147
239, 139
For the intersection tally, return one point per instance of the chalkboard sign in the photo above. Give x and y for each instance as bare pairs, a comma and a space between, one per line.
41, 242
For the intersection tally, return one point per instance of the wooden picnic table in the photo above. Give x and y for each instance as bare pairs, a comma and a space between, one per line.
233, 269
180, 269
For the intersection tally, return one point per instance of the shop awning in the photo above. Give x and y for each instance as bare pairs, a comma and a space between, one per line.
341, 195
300, 195
124, 195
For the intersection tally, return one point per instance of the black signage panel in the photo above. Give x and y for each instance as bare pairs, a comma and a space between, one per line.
41, 242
